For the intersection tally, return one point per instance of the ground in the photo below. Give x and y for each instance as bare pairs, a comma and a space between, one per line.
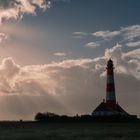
69, 131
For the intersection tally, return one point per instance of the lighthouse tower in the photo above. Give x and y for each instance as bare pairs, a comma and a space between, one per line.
109, 106
110, 87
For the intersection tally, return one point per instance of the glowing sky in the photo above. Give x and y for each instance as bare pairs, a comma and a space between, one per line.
53, 55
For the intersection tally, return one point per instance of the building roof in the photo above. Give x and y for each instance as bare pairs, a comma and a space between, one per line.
105, 106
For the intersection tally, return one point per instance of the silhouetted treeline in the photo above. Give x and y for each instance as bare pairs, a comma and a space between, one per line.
52, 117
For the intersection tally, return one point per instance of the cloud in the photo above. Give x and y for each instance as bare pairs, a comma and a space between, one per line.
17, 8
59, 54
126, 63
130, 32
114, 52
133, 54
3, 37
8, 68
133, 44
106, 34
69, 86
14, 9
92, 45
79, 35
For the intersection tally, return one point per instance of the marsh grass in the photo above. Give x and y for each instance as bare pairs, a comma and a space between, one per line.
69, 131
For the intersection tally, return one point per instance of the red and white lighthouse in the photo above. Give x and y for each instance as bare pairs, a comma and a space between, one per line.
110, 106
110, 87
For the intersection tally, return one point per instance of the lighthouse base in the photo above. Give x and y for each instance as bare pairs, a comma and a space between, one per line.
109, 109
112, 112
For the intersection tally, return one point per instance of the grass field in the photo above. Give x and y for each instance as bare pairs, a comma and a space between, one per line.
69, 131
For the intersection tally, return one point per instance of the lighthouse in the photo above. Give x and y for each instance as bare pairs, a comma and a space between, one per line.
109, 106
110, 85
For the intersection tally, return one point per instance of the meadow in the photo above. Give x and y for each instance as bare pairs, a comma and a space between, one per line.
69, 131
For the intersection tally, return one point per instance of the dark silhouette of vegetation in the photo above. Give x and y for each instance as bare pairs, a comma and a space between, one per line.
52, 117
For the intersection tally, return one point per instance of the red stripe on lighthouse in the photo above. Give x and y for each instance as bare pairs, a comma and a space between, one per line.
110, 87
